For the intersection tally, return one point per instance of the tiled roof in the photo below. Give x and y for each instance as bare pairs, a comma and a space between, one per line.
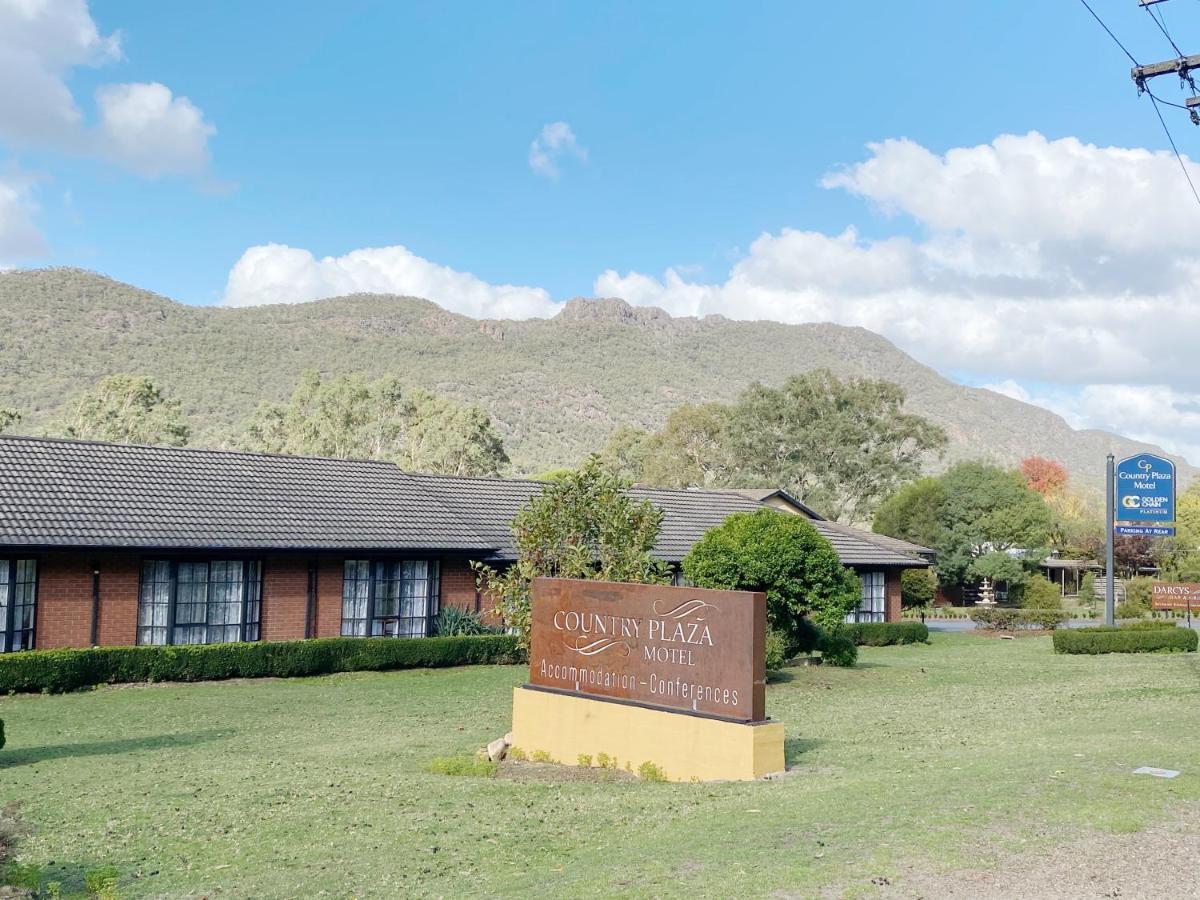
94, 494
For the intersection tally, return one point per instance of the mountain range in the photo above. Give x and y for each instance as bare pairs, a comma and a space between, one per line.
555, 387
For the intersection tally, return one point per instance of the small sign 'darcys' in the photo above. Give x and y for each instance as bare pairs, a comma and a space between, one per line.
682, 649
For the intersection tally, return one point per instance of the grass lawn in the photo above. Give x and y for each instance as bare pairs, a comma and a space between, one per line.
943, 755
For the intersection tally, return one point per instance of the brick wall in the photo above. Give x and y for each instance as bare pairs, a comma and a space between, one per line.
285, 598
64, 599
329, 597
458, 585
892, 589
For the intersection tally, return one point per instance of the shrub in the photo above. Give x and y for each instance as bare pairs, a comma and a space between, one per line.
648, 771
776, 650
1129, 610
453, 621
918, 587
883, 634
1003, 618
1138, 592
470, 766
55, 671
837, 649
1041, 593
2, 739
1087, 590
1125, 640
541, 756
584, 760
101, 884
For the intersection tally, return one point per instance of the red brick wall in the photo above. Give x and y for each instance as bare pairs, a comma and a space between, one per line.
64, 599
285, 598
892, 589
329, 597
458, 585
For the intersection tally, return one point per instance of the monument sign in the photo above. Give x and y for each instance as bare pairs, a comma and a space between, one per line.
685, 649
1174, 596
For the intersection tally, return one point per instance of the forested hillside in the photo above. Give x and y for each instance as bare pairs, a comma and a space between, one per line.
555, 388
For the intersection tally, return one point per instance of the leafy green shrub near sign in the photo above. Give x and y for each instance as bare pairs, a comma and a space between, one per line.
918, 587
776, 650
55, 671
1125, 640
883, 634
453, 621
1041, 593
1003, 618
1138, 592
1127, 609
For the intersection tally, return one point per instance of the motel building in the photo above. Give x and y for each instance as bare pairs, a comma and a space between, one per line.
111, 544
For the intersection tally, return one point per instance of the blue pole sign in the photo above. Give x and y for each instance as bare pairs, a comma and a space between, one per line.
1145, 496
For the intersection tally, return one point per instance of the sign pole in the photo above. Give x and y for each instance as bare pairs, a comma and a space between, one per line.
1110, 516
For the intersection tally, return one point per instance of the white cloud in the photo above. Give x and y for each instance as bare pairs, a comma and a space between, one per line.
142, 127
19, 237
1049, 260
555, 141
147, 130
274, 273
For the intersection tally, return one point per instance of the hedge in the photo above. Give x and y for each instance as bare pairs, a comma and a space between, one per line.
1002, 618
55, 671
883, 634
1125, 640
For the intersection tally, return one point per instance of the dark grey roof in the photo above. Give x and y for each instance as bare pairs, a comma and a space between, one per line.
762, 495
94, 494
687, 515
62, 493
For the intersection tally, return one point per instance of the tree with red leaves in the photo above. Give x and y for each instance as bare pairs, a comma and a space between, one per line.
1043, 475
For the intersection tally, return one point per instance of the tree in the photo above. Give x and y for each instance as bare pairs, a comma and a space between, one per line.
584, 525
347, 416
1043, 475
918, 587
913, 513
693, 449
786, 558
986, 509
129, 409
624, 453
840, 445
9, 418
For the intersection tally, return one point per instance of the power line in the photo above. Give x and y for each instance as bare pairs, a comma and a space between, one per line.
1162, 26
1109, 30
1167, 131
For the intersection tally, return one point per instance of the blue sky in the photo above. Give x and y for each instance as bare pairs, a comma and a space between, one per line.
699, 129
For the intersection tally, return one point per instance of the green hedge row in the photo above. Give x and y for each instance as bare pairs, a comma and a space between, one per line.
1125, 640
883, 634
55, 671
1003, 618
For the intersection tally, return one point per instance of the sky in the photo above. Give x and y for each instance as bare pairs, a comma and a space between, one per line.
978, 182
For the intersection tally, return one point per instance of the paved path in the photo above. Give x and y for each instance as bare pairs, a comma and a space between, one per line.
968, 625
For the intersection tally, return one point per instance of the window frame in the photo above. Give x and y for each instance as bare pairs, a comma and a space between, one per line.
433, 595
249, 630
868, 613
13, 565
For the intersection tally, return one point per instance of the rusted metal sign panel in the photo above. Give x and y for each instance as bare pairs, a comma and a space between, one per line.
682, 649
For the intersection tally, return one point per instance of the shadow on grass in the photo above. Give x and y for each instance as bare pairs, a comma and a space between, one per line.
795, 748
28, 755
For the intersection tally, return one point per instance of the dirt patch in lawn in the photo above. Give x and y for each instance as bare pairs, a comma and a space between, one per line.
553, 773
1162, 861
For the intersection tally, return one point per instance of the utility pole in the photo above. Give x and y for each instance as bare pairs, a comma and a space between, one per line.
1182, 66
1110, 513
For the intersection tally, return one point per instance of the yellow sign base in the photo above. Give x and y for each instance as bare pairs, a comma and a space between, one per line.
683, 747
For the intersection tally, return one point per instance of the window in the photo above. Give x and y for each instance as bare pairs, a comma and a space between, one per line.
873, 607
189, 602
389, 598
18, 602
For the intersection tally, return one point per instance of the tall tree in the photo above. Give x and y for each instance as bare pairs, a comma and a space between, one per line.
583, 525
348, 416
1043, 475
841, 445
913, 513
129, 409
693, 449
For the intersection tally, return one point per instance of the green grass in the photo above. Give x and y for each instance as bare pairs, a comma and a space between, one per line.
944, 755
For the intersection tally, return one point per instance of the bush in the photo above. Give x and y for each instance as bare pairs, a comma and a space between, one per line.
918, 587
1041, 593
470, 766
454, 621
884, 634
1004, 618
1130, 610
55, 671
837, 649
1125, 640
777, 649
2, 738
1087, 590
1137, 594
